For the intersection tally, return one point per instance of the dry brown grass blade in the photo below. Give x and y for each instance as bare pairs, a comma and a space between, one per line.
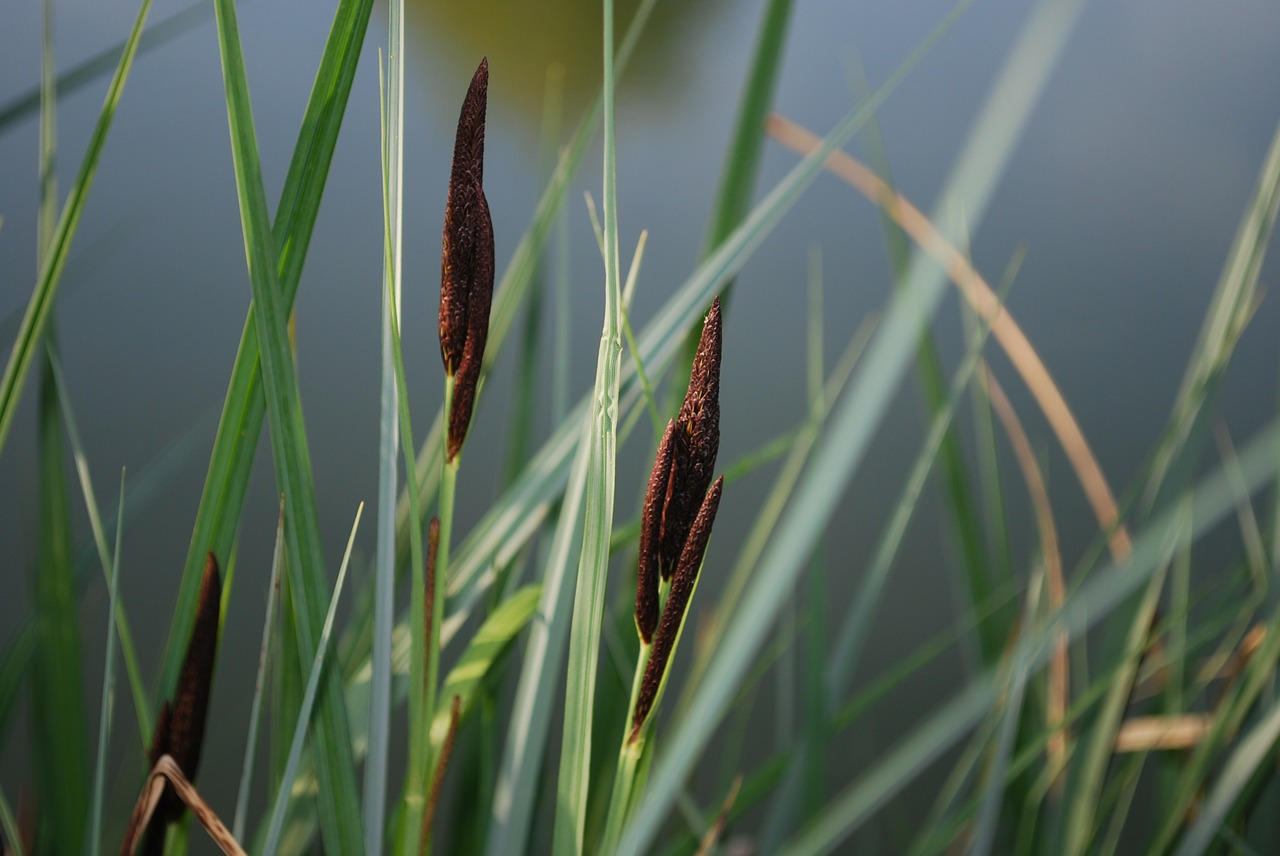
166, 769
1151, 733
1056, 704
714, 831
980, 296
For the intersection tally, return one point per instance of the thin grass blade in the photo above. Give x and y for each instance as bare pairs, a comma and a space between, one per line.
108, 686
308, 699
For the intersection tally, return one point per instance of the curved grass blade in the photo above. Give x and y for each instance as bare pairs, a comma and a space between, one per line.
338, 808
308, 699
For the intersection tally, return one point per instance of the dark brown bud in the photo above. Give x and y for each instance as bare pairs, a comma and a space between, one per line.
180, 727
682, 585
467, 262
650, 533
696, 442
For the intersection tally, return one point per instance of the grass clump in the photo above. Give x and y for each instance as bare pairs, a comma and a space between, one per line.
1097, 691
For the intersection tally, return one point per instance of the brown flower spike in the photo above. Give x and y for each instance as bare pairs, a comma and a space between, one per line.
681, 472
694, 444
180, 726
682, 583
467, 263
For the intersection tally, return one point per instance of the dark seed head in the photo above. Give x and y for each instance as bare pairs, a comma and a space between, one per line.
650, 532
467, 261
180, 727
696, 443
682, 585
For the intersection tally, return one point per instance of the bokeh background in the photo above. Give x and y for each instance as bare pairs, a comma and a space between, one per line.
1125, 193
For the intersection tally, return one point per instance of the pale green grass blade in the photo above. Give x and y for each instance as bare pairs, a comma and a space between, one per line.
1255, 749
856, 418
530, 719
108, 687
375, 771
134, 673
1010, 718
308, 699
12, 839
61, 745
80, 75
844, 655
244, 409
54, 259
338, 801
259, 686
593, 566
493, 638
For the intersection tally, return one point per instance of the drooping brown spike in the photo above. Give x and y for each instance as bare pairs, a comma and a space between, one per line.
179, 730
467, 262
697, 442
647, 570
682, 585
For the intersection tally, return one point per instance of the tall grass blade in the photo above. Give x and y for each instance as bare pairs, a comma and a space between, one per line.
61, 745
54, 259
240, 427
855, 419
12, 836
593, 566
308, 699
108, 687
375, 771
259, 685
530, 720
339, 811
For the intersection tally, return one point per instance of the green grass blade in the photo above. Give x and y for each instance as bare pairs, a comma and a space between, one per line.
530, 720
108, 687
259, 686
339, 804
52, 262
856, 418
61, 746
1255, 749
593, 566
308, 699
375, 772
244, 409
